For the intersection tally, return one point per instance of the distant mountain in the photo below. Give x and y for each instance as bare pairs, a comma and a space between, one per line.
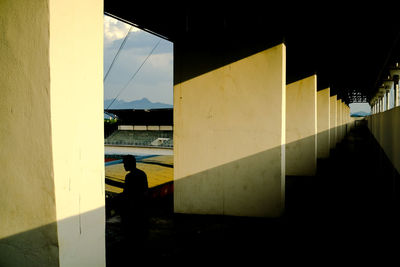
360, 114
143, 103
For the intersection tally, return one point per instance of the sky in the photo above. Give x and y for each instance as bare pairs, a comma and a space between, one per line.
154, 80
357, 107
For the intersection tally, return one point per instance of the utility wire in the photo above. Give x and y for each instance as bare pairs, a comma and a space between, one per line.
133, 76
116, 55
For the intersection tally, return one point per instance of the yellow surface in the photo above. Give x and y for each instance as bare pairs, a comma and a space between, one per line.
52, 155
333, 121
323, 123
156, 174
161, 159
301, 127
28, 235
229, 126
76, 71
114, 189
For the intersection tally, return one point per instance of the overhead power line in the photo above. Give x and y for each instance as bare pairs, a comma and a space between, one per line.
134, 74
116, 55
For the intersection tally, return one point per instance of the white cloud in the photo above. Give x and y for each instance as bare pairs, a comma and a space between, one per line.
115, 29
154, 80
161, 61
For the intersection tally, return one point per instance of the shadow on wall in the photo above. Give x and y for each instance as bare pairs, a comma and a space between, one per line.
41, 247
250, 186
301, 156
323, 144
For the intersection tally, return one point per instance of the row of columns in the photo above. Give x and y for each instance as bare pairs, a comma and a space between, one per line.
52, 155
381, 101
231, 128
309, 120
240, 129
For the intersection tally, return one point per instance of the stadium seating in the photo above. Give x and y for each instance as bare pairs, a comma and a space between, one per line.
140, 138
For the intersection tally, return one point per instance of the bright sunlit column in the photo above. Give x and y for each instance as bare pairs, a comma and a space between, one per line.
52, 195
339, 121
333, 121
215, 172
76, 71
323, 123
395, 73
301, 127
396, 91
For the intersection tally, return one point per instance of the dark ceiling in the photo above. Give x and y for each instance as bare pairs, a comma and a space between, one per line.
348, 47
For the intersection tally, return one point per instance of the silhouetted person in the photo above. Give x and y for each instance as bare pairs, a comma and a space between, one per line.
134, 206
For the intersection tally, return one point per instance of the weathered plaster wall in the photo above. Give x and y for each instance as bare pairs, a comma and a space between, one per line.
301, 127
52, 181
323, 123
339, 123
229, 131
28, 235
333, 121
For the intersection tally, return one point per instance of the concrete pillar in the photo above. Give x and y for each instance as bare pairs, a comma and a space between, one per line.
229, 134
387, 86
387, 98
52, 154
396, 90
345, 119
323, 123
339, 121
395, 73
301, 127
382, 93
384, 102
348, 118
378, 104
333, 121
344, 130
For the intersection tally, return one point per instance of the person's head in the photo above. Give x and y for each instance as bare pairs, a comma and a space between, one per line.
129, 162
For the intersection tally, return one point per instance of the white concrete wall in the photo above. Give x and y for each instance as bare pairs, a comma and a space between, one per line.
125, 127
166, 128
333, 121
301, 127
153, 128
76, 71
339, 123
28, 232
229, 133
144, 128
52, 193
323, 123
140, 127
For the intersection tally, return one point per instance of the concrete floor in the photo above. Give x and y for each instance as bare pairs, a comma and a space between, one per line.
347, 213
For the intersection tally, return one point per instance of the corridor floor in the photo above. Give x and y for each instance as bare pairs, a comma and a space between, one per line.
347, 213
